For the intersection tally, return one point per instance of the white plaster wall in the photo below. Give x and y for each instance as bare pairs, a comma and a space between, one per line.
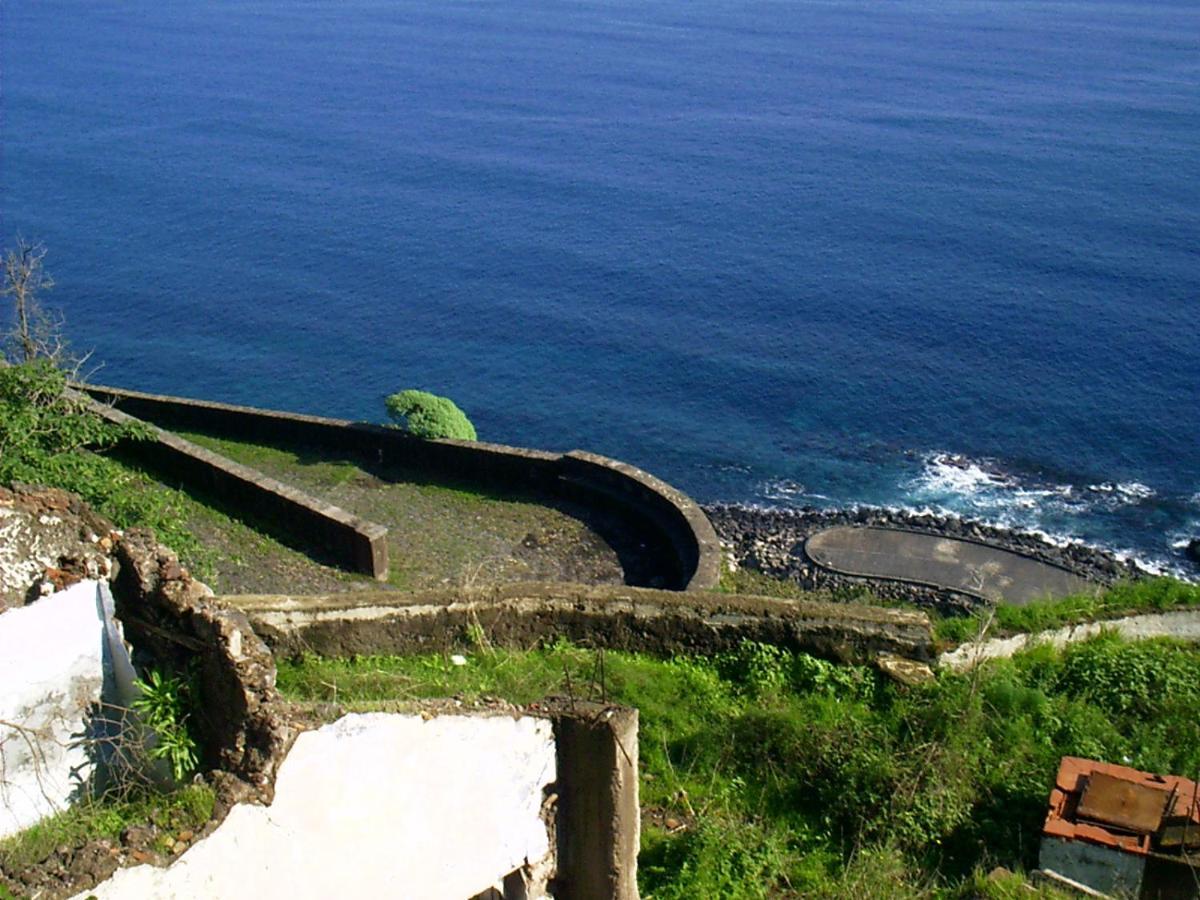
376, 805
51, 671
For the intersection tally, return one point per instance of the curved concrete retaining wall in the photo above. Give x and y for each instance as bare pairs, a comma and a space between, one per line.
618, 618
354, 543
678, 517
587, 477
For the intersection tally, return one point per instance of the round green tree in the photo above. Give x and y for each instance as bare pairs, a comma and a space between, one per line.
430, 416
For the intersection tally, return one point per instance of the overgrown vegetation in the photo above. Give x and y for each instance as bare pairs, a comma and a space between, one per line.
785, 775
49, 437
164, 707
1127, 598
429, 416
188, 808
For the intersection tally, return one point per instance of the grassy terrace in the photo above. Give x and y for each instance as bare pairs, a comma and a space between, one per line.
772, 774
444, 533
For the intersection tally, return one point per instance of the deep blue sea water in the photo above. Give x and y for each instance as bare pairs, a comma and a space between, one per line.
930, 254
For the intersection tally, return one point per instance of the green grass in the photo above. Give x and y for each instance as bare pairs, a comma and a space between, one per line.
1126, 598
186, 809
440, 531
329, 473
795, 777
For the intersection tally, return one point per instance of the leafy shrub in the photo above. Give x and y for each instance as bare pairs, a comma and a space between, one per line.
1129, 679
42, 429
48, 437
754, 667
429, 416
163, 708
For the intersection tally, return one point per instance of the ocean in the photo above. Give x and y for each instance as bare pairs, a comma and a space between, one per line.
935, 255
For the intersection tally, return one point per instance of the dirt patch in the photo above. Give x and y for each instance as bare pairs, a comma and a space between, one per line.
237, 557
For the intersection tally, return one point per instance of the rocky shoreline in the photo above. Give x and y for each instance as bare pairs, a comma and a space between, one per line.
770, 540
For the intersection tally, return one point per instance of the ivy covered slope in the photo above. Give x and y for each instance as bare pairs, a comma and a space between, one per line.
772, 774
48, 437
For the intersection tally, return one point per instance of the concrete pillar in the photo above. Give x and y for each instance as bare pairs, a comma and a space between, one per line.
598, 817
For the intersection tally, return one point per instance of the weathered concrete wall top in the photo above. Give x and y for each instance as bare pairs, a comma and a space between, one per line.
622, 618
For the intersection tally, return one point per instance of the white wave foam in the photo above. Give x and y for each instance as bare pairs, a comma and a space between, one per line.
782, 489
952, 473
1131, 491
956, 487
981, 489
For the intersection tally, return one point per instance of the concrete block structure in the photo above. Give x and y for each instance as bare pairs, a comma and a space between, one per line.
1123, 832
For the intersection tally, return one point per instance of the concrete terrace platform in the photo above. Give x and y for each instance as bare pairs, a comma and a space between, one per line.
977, 569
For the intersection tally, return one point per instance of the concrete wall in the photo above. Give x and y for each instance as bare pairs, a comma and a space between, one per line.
52, 672
587, 477
430, 807
169, 617
1102, 869
619, 618
598, 821
1182, 624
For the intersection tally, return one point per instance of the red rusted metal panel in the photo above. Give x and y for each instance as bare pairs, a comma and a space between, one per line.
1123, 803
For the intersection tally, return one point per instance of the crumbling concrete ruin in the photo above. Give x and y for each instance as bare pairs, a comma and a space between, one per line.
516, 802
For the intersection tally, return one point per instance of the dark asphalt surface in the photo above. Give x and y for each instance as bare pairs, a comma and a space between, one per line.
990, 572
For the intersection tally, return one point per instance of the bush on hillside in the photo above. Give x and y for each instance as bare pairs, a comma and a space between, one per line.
429, 416
42, 429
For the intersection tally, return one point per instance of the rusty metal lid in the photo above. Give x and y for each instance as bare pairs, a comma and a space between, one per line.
1122, 803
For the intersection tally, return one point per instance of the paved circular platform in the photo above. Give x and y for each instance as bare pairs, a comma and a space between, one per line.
981, 570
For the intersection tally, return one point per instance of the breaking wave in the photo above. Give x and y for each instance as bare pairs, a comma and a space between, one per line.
1123, 517
1058, 512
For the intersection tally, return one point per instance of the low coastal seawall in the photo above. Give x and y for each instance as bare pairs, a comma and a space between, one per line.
772, 541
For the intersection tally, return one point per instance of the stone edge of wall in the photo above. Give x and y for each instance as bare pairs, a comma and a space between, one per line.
676, 516
357, 544
609, 616
1182, 624
177, 621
